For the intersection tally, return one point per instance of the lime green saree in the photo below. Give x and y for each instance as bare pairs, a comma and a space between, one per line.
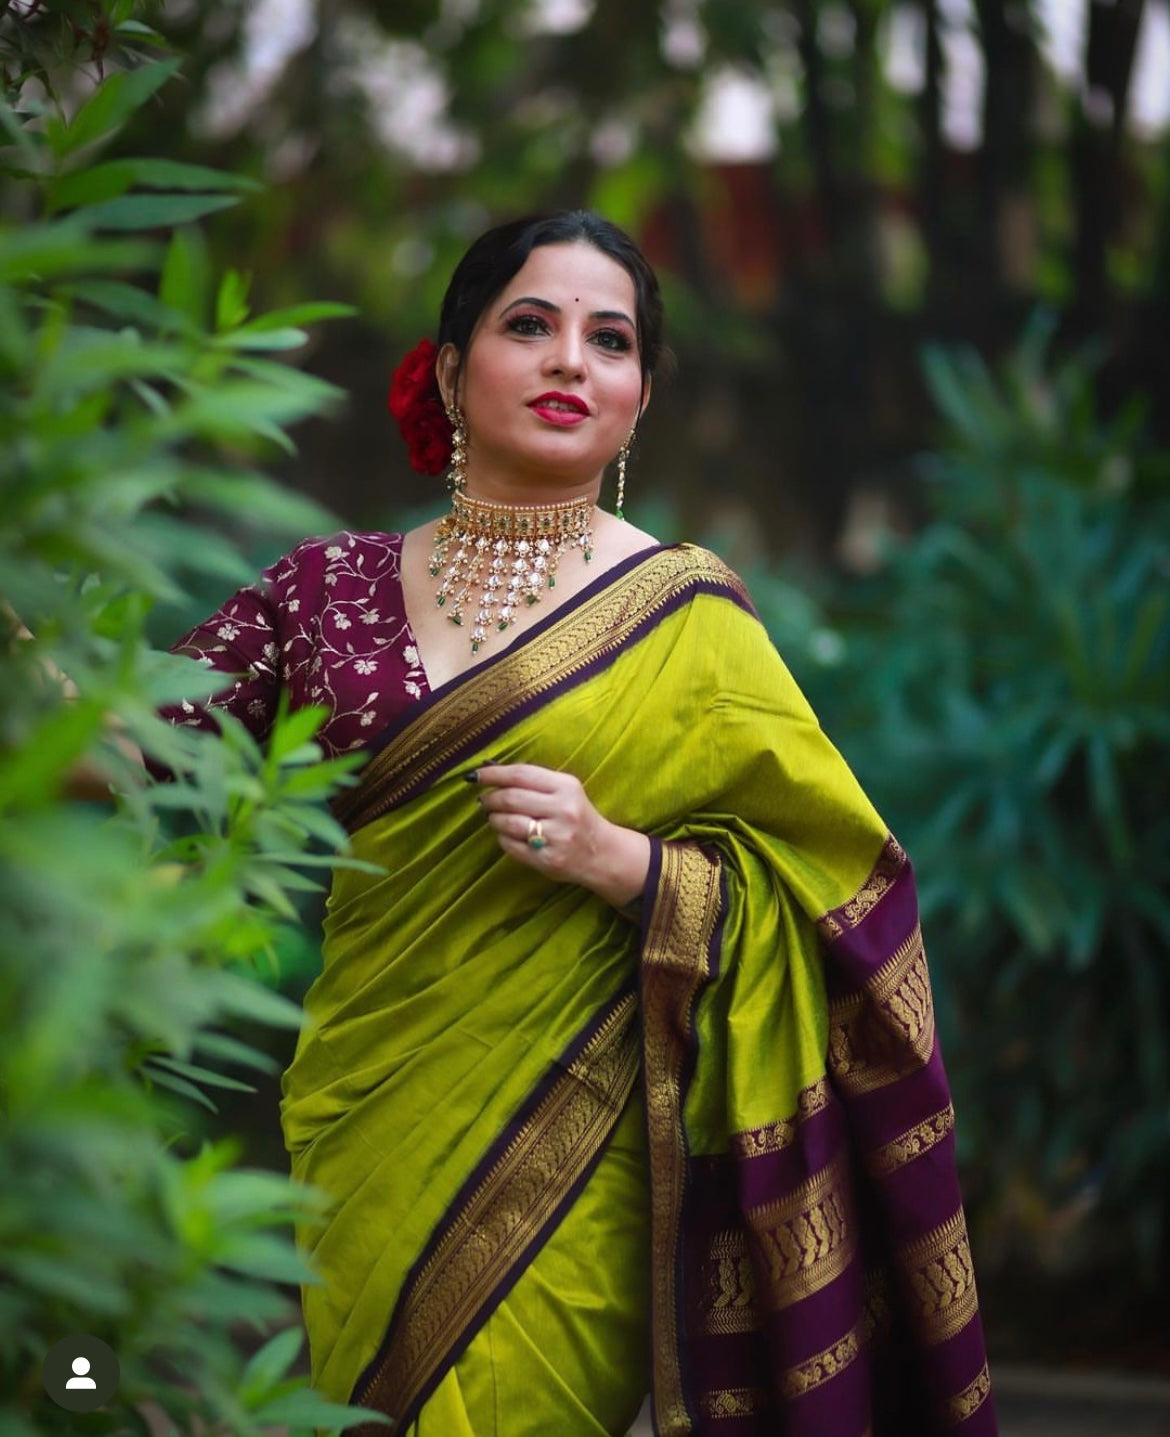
572, 1160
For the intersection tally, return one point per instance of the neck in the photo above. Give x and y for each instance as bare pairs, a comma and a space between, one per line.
491, 556
531, 488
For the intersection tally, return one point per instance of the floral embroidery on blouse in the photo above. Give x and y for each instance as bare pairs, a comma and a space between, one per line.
328, 624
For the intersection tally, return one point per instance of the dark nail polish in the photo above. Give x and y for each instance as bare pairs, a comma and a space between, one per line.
472, 777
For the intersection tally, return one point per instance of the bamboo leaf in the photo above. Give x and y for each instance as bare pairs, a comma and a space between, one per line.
110, 105
146, 212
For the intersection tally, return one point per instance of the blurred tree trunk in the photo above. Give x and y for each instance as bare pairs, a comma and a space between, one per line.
1006, 156
931, 187
1096, 153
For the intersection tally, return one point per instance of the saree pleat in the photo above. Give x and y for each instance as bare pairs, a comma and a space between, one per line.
466, 1083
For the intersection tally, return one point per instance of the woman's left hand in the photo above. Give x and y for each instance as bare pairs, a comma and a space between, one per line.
571, 841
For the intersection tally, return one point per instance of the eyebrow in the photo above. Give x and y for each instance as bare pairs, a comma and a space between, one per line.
547, 304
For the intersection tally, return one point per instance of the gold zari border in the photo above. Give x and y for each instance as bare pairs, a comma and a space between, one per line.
885, 1030
941, 1276
914, 1143
594, 628
805, 1240
891, 861
731, 1285
775, 1137
969, 1401
674, 965
507, 1211
733, 1402
816, 1371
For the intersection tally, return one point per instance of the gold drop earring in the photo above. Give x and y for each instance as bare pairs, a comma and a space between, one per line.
457, 472
622, 460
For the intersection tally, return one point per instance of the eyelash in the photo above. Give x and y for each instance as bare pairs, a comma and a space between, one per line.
616, 340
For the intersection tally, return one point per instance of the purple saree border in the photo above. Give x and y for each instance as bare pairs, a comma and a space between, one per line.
555, 1072
695, 584
828, 1285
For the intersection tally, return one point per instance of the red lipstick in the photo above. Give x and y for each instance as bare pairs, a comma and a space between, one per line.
557, 408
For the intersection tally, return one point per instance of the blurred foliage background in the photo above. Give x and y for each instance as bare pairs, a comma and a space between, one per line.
916, 255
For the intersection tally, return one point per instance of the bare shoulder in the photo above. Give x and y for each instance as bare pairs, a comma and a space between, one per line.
420, 536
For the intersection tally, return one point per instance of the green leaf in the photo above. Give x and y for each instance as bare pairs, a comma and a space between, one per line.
184, 284
261, 1255
231, 412
231, 303
30, 776
267, 1366
307, 1409
116, 98
248, 337
291, 730
40, 252
69, 1280
105, 182
146, 212
300, 314
201, 1075
177, 1085
246, 999
232, 1050
99, 357
129, 302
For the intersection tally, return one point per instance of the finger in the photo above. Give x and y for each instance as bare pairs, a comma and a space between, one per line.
549, 860
521, 800
520, 827
520, 851
521, 775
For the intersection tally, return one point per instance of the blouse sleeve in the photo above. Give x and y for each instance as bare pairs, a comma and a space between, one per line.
242, 641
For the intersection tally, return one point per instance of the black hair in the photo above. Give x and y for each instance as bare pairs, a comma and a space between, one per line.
500, 253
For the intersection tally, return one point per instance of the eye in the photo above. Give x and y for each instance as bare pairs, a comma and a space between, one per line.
530, 324
615, 340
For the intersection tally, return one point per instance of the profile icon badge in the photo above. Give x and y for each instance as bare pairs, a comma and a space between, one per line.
80, 1372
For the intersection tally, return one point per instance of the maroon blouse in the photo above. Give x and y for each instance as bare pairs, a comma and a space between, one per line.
328, 624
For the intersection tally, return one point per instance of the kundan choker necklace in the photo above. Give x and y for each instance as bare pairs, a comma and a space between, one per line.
493, 557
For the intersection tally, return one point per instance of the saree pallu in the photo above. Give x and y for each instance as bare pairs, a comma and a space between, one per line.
571, 1159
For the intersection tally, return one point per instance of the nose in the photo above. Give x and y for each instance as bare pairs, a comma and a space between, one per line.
566, 355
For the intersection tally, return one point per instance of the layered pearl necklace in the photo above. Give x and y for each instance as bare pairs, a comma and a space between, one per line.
493, 557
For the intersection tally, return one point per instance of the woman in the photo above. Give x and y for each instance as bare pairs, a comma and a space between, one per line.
621, 1069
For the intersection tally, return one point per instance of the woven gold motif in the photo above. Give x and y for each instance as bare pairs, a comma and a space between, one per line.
733, 1402
730, 1283
969, 1401
816, 1371
914, 1143
775, 1137
507, 1211
674, 966
886, 1030
891, 862
593, 629
807, 1239
941, 1275
879, 1314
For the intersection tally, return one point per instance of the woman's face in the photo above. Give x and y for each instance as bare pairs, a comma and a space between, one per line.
552, 379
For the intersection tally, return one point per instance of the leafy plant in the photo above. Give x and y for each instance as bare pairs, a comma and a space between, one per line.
136, 395
1003, 690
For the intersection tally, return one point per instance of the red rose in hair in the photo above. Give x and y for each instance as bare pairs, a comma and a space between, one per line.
415, 401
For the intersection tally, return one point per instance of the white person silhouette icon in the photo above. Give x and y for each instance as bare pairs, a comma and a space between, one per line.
81, 1367
80, 1372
